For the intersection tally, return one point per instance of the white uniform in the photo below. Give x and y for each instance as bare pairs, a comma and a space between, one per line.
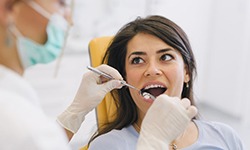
23, 124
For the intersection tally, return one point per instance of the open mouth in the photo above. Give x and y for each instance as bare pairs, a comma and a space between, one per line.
154, 89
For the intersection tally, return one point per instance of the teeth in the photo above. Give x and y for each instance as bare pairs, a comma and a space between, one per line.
146, 95
153, 86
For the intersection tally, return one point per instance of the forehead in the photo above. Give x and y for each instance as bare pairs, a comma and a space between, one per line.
52, 6
48, 1
146, 42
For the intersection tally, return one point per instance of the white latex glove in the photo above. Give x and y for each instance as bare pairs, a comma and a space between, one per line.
89, 95
165, 120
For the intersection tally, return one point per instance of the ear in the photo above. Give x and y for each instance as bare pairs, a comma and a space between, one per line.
186, 75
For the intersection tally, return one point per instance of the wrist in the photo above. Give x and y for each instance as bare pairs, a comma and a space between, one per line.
71, 120
150, 142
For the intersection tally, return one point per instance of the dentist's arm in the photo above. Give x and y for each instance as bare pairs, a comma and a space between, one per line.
165, 120
89, 95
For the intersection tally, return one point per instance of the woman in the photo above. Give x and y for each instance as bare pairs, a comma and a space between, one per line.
154, 55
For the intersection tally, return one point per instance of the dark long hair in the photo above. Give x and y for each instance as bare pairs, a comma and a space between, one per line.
168, 32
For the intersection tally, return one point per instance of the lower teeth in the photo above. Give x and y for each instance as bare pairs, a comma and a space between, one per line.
145, 95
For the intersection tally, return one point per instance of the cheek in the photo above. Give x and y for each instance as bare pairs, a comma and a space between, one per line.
175, 77
132, 76
175, 74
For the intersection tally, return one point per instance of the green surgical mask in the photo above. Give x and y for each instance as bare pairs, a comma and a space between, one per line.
32, 53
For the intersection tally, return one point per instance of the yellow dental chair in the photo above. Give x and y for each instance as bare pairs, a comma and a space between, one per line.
105, 111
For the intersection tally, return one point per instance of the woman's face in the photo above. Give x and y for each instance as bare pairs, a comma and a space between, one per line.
154, 66
33, 24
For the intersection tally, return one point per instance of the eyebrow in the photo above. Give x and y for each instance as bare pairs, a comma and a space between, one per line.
143, 53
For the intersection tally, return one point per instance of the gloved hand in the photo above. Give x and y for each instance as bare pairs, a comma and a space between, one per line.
89, 95
165, 120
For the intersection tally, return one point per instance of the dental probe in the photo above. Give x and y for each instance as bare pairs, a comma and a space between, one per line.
146, 95
100, 73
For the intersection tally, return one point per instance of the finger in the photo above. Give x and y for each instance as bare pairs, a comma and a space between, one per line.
110, 70
192, 111
185, 103
91, 75
103, 80
112, 84
163, 96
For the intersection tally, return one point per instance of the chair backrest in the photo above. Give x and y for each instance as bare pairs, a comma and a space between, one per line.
105, 111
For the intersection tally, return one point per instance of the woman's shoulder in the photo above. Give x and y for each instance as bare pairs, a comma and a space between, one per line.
215, 126
218, 132
123, 139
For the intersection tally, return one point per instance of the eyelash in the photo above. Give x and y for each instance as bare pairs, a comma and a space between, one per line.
62, 3
134, 59
10, 5
170, 57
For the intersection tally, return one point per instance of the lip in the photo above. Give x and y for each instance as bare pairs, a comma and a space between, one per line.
148, 100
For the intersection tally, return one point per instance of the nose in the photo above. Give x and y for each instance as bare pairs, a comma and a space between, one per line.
152, 70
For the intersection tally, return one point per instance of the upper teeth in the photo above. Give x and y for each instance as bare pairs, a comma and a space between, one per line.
153, 86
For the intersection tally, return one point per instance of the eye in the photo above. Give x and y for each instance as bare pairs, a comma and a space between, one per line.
166, 57
10, 4
62, 2
137, 60
65, 3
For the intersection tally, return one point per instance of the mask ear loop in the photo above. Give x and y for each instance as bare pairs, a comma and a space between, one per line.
11, 33
8, 39
39, 9
59, 60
